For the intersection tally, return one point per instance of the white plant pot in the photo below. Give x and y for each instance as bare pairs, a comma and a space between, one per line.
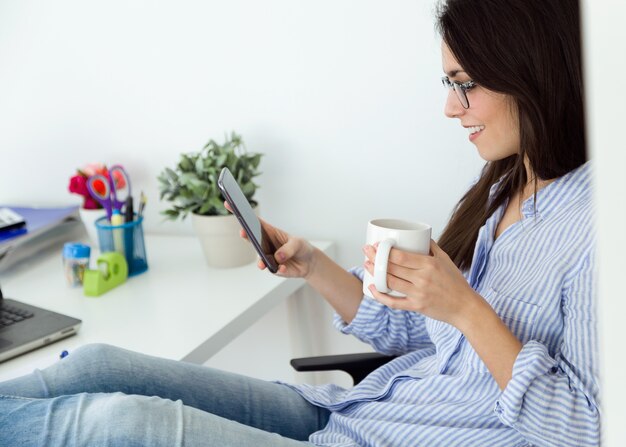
220, 240
89, 217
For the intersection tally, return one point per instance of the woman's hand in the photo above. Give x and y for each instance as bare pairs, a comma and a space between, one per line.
433, 284
294, 255
435, 287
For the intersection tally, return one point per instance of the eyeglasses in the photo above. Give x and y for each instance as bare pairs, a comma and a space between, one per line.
460, 89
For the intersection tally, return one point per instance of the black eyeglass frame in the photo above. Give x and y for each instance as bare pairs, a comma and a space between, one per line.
460, 88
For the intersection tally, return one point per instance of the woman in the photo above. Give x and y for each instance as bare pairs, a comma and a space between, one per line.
496, 338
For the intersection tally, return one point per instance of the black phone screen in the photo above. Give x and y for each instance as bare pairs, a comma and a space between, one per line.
248, 220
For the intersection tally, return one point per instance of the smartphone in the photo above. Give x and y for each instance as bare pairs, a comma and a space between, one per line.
248, 220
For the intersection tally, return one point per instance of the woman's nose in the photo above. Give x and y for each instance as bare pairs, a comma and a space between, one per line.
453, 107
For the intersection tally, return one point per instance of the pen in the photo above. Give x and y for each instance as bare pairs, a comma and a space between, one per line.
142, 204
129, 212
129, 237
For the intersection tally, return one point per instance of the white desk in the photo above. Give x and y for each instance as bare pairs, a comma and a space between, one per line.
179, 309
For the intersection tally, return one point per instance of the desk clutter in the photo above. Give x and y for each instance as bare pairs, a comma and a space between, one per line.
26, 233
105, 192
111, 271
123, 254
119, 231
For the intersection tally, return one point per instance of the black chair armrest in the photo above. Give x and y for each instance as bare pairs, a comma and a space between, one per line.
357, 365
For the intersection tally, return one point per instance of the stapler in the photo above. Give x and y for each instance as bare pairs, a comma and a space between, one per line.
112, 271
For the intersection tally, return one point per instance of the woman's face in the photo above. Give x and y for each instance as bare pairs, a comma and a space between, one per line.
491, 119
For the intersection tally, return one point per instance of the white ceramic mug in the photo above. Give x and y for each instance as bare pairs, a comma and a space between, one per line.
401, 234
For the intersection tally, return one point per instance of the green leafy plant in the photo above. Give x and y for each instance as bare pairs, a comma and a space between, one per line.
192, 185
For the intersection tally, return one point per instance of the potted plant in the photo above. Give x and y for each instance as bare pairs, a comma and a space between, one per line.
191, 187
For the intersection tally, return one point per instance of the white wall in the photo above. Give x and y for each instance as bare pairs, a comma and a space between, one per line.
605, 65
343, 97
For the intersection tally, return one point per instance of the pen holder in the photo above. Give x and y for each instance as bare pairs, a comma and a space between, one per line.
126, 239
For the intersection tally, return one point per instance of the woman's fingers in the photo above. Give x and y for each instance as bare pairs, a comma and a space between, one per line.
397, 283
370, 253
388, 300
399, 257
284, 253
409, 259
288, 250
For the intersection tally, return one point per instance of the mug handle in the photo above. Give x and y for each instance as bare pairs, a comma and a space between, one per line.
380, 265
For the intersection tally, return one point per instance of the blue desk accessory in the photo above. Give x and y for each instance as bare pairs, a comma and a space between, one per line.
134, 246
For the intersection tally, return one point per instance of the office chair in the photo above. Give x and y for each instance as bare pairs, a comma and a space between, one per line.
357, 365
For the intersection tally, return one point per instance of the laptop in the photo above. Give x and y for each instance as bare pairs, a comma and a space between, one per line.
24, 328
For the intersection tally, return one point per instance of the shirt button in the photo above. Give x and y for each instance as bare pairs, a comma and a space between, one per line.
498, 408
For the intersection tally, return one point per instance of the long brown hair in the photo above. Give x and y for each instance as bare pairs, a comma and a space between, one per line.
529, 50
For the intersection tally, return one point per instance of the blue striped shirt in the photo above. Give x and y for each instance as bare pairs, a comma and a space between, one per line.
539, 277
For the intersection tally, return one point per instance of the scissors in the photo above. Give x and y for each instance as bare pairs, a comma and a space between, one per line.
110, 191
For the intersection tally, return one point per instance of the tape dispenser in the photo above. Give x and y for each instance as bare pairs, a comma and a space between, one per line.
112, 271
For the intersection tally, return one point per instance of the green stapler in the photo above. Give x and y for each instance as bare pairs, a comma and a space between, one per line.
112, 271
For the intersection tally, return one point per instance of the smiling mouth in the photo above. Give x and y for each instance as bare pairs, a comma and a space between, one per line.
475, 129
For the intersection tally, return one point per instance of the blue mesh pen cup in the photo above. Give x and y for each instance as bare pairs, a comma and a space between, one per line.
127, 239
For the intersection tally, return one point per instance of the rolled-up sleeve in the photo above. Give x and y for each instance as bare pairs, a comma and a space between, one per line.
388, 331
552, 400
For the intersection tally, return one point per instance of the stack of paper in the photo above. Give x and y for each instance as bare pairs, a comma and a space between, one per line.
45, 228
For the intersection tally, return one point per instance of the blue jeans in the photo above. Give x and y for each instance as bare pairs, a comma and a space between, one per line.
105, 396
